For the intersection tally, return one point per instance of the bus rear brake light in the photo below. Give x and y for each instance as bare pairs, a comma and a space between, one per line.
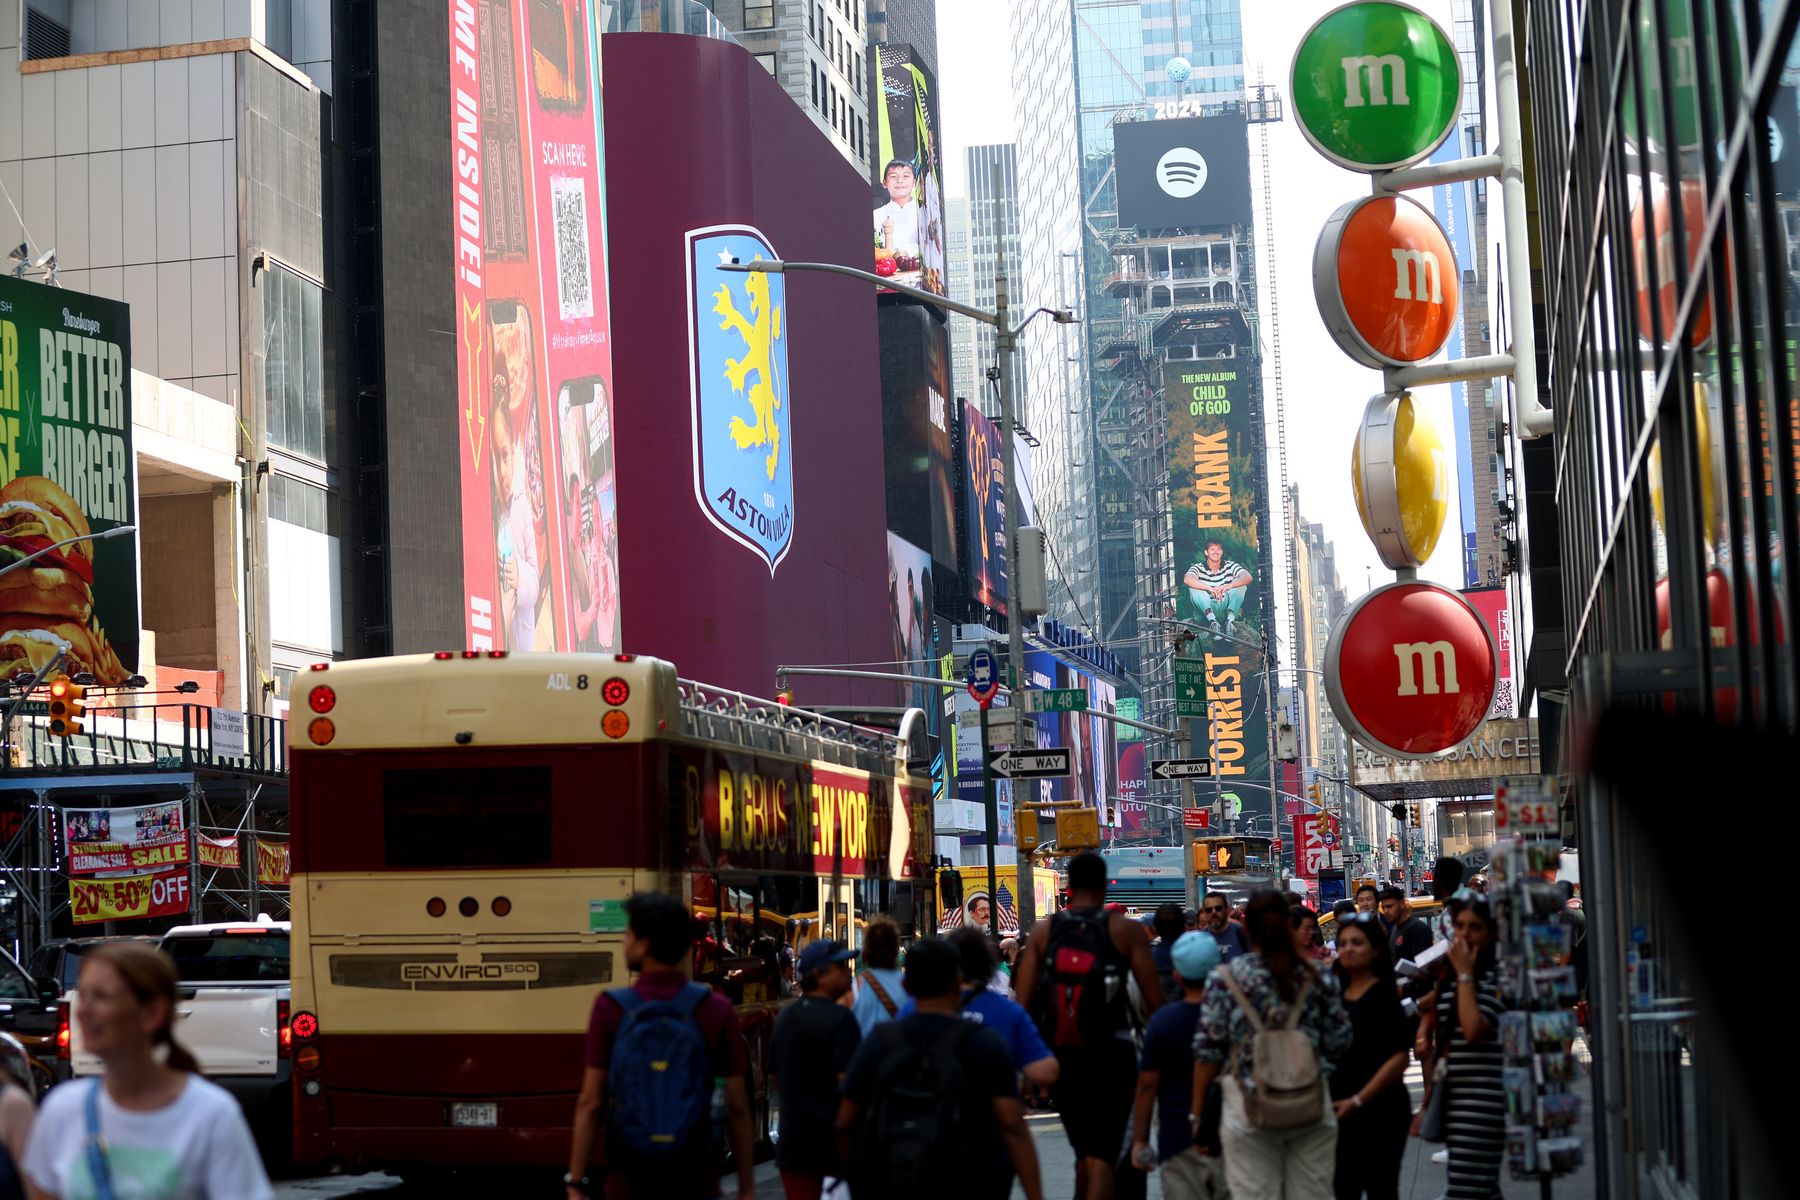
501, 906
435, 906
308, 1060
322, 699
496, 654
443, 655
321, 731
615, 724
615, 691
305, 1026
471, 654
321, 666
624, 658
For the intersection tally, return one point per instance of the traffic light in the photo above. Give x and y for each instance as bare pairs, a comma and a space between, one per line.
1413, 814
950, 889
1317, 792
1028, 829
785, 697
66, 706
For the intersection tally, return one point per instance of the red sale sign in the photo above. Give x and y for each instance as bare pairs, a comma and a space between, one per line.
131, 898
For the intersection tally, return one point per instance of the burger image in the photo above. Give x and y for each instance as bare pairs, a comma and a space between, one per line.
28, 644
36, 513
48, 606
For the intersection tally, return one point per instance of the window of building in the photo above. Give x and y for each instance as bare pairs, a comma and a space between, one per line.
767, 61
812, 22
293, 366
759, 14
812, 73
297, 502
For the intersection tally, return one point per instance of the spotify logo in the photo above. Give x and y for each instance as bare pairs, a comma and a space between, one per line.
1181, 172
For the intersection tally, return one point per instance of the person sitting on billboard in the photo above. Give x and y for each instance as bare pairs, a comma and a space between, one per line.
1218, 584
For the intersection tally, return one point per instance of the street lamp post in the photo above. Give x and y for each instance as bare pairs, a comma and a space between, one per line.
115, 531
1005, 339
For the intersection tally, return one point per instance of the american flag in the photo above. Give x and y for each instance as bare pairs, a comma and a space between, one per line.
1009, 913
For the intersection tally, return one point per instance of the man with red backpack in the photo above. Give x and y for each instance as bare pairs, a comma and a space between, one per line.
1072, 979
656, 1053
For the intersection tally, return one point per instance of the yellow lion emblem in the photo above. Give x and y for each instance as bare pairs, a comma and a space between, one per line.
759, 335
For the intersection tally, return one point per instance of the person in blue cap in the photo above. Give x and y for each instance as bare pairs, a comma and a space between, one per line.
814, 1040
1188, 1156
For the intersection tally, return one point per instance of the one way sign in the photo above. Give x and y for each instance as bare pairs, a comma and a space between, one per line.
1181, 768
1030, 764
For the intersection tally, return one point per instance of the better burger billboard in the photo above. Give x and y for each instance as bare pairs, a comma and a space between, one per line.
66, 472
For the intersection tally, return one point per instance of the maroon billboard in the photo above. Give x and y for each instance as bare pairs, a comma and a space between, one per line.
752, 499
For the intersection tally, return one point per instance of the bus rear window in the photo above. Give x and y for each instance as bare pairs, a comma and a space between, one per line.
229, 958
493, 817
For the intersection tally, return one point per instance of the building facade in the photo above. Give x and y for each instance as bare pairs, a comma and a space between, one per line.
963, 372
991, 173
1663, 520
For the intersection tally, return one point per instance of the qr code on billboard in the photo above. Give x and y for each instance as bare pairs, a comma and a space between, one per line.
574, 277
1503, 699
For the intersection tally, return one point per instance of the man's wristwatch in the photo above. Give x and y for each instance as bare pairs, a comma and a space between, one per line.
578, 1182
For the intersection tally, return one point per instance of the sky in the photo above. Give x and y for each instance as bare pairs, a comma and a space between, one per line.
1325, 392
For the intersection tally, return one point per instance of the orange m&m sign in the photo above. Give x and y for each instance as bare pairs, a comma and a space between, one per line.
1386, 280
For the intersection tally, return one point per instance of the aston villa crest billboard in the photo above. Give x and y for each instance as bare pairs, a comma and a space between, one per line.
743, 448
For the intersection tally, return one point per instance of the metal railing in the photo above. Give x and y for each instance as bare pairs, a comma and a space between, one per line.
147, 737
716, 713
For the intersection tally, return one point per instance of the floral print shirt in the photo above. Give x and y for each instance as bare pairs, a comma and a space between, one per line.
1224, 1027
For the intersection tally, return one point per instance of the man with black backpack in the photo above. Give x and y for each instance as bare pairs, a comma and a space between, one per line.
930, 1099
656, 1052
1072, 978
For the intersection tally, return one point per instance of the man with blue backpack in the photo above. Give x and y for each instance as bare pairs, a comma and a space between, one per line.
658, 1054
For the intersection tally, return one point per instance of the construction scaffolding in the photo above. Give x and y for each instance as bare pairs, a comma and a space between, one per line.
227, 772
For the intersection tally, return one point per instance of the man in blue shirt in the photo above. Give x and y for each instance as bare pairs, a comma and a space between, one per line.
1189, 1159
1031, 1058
1215, 918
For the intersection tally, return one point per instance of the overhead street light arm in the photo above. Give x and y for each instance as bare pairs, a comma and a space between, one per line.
115, 531
776, 266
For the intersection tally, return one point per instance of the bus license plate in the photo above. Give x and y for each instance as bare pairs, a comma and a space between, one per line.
475, 1114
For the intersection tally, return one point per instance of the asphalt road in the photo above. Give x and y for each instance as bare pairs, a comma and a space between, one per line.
1420, 1178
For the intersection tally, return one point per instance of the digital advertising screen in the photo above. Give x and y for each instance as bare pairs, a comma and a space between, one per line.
534, 364
916, 419
1217, 469
909, 193
984, 516
1183, 173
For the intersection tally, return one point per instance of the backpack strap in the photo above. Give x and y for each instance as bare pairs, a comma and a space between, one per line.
1250, 1013
881, 994
99, 1169
691, 996
628, 999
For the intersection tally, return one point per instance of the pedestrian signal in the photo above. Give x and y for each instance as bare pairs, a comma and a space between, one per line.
1211, 856
66, 706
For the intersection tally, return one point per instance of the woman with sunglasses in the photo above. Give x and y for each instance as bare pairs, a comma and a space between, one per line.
1367, 1089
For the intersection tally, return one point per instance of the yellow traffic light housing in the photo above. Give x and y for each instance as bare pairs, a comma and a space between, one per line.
67, 706
1078, 829
1028, 829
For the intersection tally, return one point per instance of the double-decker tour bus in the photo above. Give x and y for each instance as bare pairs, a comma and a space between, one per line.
466, 828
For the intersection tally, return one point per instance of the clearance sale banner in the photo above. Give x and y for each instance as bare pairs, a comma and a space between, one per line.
122, 839
272, 864
169, 852
135, 896
534, 362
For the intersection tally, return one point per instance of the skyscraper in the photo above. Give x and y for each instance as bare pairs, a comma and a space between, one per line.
1159, 300
993, 230
962, 333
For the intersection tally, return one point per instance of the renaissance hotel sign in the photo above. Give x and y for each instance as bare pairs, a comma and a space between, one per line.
1500, 749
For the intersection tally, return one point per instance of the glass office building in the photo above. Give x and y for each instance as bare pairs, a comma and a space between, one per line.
1664, 163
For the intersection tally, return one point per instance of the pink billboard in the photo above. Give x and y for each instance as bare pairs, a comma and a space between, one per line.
534, 414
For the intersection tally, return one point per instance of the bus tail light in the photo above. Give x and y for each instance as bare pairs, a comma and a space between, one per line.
501, 906
624, 658
320, 666
284, 1030
468, 906
322, 699
305, 1026
62, 1031
471, 654
321, 731
308, 1060
615, 691
435, 906
615, 724
443, 655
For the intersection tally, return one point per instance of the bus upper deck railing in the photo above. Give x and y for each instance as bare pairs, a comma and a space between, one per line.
148, 737
720, 714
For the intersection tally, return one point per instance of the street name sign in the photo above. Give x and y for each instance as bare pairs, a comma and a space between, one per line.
1181, 768
1376, 85
1411, 670
1190, 688
1053, 763
984, 677
1056, 700
1196, 818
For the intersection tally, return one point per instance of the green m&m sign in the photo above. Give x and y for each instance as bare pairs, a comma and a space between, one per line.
1376, 85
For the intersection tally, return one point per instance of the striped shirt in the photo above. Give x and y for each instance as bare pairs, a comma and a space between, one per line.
1227, 574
